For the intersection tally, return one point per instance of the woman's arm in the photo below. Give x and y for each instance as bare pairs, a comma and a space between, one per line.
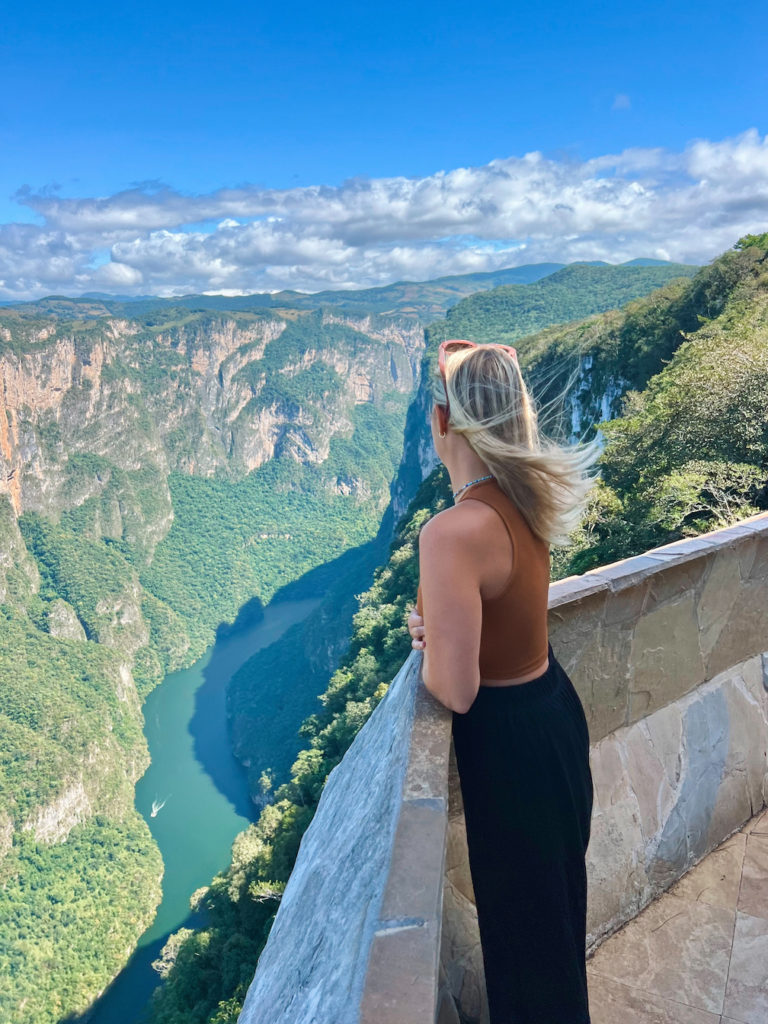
449, 555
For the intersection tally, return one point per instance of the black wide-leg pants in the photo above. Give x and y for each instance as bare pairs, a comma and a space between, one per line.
522, 753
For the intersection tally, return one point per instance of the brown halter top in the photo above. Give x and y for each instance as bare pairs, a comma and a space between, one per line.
514, 637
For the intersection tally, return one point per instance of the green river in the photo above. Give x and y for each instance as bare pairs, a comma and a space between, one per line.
198, 792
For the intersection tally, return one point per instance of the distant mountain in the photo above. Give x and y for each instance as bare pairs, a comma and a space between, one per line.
424, 301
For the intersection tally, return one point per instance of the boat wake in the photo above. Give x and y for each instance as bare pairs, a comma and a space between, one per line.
158, 806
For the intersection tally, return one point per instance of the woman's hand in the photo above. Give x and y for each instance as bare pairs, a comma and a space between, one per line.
416, 629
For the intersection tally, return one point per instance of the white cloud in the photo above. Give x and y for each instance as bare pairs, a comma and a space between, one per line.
688, 206
117, 275
621, 102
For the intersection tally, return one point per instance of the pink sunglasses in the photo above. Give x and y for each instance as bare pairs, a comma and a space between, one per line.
445, 347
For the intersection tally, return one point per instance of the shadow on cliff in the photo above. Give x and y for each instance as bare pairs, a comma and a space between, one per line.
272, 691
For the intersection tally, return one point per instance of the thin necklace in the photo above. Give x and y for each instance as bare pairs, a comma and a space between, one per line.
457, 493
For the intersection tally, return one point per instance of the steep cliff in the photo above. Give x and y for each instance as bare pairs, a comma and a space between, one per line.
201, 393
155, 473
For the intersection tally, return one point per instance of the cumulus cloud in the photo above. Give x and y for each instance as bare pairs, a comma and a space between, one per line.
687, 206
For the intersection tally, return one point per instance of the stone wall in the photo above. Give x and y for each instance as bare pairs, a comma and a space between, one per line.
669, 653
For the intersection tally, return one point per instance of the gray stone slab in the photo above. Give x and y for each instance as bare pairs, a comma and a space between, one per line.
575, 588
746, 997
313, 967
617, 1002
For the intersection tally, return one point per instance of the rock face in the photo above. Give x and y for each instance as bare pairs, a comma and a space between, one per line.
202, 396
53, 823
63, 621
419, 455
19, 576
104, 784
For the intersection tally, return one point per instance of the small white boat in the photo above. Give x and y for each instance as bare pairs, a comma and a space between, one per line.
157, 806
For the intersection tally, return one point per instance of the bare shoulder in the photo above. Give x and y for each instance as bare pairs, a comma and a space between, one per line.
467, 521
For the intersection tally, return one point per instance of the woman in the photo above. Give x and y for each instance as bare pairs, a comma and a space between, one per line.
519, 728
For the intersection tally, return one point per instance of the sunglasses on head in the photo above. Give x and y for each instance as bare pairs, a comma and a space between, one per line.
451, 346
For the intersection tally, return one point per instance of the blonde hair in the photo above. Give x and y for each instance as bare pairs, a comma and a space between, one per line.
492, 408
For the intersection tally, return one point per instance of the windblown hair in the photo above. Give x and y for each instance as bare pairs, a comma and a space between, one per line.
492, 408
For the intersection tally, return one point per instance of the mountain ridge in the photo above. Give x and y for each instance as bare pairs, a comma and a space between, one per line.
426, 299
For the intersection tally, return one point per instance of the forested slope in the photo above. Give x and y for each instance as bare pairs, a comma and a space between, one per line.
513, 311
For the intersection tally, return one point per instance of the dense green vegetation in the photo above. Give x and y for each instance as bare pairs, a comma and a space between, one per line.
69, 911
514, 311
57, 700
673, 466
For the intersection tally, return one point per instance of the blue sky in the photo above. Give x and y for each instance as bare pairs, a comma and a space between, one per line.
176, 102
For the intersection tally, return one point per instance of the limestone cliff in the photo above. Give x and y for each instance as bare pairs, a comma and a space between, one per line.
98, 417
195, 395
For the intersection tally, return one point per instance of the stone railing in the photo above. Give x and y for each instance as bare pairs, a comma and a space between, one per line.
669, 653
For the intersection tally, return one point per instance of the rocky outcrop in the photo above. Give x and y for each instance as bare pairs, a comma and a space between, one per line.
19, 576
120, 623
6, 833
63, 622
584, 406
125, 689
53, 822
104, 784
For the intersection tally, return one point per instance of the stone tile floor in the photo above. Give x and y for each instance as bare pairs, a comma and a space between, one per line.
697, 954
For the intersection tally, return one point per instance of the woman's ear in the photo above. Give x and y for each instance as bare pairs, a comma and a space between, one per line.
442, 420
